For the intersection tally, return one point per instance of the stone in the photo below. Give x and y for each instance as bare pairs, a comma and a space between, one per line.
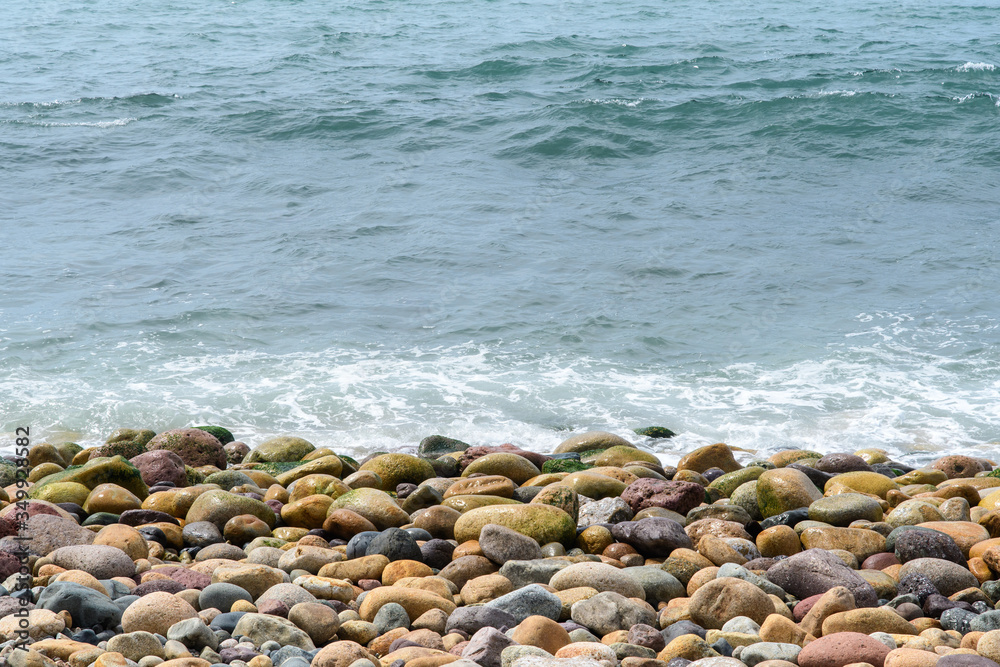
720, 600
87, 607
784, 489
653, 537
194, 634
947, 577
289, 594
608, 611
136, 645
501, 544
607, 510
101, 561
600, 576
395, 469
259, 628
843, 648
680, 497
155, 613
222, 596
816, 571
871, 619
841, 463
374, 505
395, 544
414, 600
485, 646
254, 579
218, 507
757, 653
860, 542
471, 619
543, 523
844, 508
914, 544
531, 600
657, 584
194, 446
711, 456
279, 449
871, 483
542, 632
591, 440
957, 466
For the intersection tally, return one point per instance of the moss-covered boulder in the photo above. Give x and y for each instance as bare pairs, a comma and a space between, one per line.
513, 466
223, 435
434, 446
590, 441
374, 505
127, 442
194, 446
564, 465
396, 469
658, 432
594, 485
63, 492
464, 503
620, 455
326, 465
784, 489
97, 471
733, 480
228, 479
281, 448
563, 497
543, 523
218, 507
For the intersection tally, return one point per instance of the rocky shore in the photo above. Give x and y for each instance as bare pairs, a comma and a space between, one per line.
188, 549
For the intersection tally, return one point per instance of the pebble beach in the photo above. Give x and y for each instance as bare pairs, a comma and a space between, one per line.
190, 549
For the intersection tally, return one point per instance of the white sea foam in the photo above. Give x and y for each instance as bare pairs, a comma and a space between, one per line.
873, 391
617, 101
976, 67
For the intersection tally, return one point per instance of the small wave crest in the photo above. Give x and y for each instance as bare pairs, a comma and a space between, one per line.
976, 67
102, 124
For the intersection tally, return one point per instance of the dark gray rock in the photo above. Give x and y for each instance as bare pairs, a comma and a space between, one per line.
914, 544
532, 600
816, 571
472, 619
485, 646
88, 608
653, 537
395, 544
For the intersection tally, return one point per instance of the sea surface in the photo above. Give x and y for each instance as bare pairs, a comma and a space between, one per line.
773, 224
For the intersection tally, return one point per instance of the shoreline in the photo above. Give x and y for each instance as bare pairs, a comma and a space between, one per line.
188, 548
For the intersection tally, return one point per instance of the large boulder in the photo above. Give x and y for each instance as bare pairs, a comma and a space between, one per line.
87, 607
114, 470
161, 466
680, 497
195, 447
816, 571
284, 448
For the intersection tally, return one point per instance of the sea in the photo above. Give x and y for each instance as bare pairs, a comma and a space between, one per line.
772, 224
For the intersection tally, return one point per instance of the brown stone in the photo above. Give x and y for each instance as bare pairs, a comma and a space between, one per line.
541, 632
836, 600
723, 599
843, 648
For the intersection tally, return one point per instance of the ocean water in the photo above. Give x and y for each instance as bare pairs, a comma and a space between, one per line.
771, 224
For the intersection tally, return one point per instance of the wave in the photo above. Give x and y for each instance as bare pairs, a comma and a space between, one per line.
976, 67
885, 385
103, 124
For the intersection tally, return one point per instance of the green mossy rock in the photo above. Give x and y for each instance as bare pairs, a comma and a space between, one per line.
591, 440
445, 466
350, 465
69, 450
8, 473
325, 465
619, 456
564, 465
395, 469
222, 435
284, 448
784, 489
195, 447
194, 477
227, 479
729, 482
543, 523
97, 471
218, 507
63, 492
434, 446
655, 432
273, 468
563, 497
512, 466
128, 449
374, 505
745, 496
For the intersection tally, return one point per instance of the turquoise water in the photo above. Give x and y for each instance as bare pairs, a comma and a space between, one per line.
767, 224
